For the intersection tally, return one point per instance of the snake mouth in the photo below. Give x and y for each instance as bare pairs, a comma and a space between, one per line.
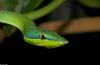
44, 43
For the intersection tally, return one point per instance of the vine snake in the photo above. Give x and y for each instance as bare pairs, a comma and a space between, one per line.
31, 33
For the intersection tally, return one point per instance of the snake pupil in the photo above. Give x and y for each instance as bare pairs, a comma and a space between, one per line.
43, 37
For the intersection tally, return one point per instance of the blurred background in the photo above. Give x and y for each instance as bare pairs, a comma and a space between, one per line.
76, 20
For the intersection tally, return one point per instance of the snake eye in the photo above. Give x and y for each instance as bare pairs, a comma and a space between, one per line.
43, 37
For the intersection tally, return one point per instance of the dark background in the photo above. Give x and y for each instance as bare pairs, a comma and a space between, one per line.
82, 49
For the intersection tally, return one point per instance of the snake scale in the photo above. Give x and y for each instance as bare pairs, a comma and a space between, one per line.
31, 33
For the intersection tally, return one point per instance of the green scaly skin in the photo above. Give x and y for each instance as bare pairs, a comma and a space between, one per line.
31, 33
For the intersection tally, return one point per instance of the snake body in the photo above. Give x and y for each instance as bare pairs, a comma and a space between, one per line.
31, 33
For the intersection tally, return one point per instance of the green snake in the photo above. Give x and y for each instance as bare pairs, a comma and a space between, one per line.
31, 33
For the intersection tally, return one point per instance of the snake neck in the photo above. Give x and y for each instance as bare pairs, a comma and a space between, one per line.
25, 25
31, 31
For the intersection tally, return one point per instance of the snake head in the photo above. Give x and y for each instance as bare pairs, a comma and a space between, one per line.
48, 39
